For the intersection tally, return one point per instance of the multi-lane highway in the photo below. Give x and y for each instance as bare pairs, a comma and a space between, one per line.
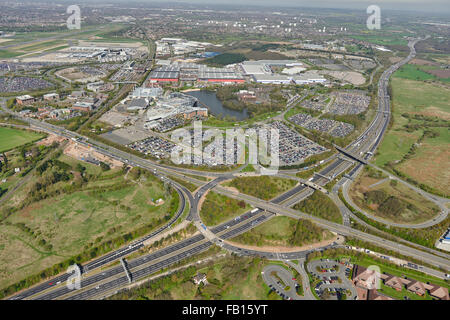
100, 283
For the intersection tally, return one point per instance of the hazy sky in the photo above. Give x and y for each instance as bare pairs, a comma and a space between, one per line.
408, 5
437, 6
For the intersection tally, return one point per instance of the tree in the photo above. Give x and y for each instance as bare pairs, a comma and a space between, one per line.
5, 159
104, 166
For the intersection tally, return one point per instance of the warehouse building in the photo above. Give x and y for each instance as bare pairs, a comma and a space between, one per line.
192, 72
308, 78
272, 79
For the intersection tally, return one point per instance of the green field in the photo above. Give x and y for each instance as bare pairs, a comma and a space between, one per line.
40, 46
13, 138
382, 39
85, 212
413, 72
6, 54
262, 187
419, 107
284, 232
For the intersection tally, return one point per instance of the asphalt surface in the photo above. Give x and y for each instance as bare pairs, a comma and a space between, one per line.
284, 280
367, 141
108, 258
326, 276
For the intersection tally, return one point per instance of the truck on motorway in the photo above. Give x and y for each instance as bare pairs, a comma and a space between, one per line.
254, 210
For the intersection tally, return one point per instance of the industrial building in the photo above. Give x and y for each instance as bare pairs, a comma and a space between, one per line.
194, 72
261, 72
272, 79
177, 46
260, 67
308, 78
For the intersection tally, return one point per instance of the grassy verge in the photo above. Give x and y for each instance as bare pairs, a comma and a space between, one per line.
218, 208
285, 232
263, 187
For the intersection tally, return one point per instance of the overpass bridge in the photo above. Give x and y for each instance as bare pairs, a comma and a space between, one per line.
351, 155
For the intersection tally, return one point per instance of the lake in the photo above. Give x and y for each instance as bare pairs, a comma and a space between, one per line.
215, 106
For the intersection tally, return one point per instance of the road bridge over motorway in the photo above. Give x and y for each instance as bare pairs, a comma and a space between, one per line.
350, 155
334, 168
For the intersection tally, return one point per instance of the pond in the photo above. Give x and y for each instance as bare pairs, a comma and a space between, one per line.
215, 106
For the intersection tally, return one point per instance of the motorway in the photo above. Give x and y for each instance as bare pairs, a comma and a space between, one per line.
368, 141
110, 257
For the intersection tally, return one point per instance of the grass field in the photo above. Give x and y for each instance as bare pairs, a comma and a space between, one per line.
40, 46
284, 232
218, 208
13, 138
432, 156
413, 72
429, 104
6, 54
49, 231
383, 39
263, 187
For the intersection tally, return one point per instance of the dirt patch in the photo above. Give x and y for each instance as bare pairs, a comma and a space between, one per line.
445, 73
27, 212
421, 62
202, 200
435, 112
352, 77
81, 152
395, 59
50, 139
428, 168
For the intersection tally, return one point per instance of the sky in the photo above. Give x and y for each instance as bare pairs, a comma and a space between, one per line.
428, 6
407, 5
